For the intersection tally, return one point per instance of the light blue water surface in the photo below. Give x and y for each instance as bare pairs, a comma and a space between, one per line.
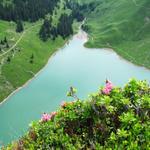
73, 65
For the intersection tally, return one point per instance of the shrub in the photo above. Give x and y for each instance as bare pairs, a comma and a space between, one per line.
117, 120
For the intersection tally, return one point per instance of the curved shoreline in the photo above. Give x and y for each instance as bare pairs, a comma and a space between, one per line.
126, 60
36, 74
49, 87
34, 77
120, 56
66, 42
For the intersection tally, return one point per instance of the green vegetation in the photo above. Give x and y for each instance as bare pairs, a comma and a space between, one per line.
60, 24
110, 119
28, 10
16, 67
123, 25
25, 47
63, 29
25, 53
7, 29
19, 27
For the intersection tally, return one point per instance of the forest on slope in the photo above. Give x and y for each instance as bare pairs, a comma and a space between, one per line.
123, 25
29, 36
22, 53
112, 118
27, 10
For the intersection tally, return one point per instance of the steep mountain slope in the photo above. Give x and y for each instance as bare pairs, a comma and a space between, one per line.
122, 25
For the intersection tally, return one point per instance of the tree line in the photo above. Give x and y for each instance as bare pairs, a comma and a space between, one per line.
79, 11
63, 28
26, 10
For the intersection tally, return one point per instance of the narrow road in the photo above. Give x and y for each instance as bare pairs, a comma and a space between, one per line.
19, 40
14, 44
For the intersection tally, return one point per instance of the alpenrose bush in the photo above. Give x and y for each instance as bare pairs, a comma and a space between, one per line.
112, 118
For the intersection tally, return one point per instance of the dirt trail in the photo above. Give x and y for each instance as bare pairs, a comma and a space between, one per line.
19, 40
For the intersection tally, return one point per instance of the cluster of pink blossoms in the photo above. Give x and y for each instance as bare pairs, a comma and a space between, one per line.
46, 117
108, 88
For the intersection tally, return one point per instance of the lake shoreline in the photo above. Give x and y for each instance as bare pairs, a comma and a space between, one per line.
120, 56
70, 65
36, 74
66, 42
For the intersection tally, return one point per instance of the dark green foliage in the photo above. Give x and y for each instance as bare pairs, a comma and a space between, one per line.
27, 10
5, 39
8, 59
32, 59
2, 42
118, 121
45, 30
79, 10
64, 27
54, 33
7, 45
19, 27
85, 28
32, 56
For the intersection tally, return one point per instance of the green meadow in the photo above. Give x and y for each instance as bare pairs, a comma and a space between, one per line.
22, 48
122, 25
19, 70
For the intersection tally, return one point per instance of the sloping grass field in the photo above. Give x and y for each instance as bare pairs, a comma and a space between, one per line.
19, 70
16, 67
123, 25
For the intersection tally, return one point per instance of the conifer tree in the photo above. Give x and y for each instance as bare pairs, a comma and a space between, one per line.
45, 30
5, 39
19, 27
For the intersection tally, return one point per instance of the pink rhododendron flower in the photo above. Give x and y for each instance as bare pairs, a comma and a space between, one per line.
108, 88
109, 85
45, 117
106, 91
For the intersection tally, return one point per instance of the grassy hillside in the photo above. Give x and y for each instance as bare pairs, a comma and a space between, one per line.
111, 119
15, 61
123, 25
16, 72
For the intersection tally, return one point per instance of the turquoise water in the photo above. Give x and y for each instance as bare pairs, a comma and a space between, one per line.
73, 65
